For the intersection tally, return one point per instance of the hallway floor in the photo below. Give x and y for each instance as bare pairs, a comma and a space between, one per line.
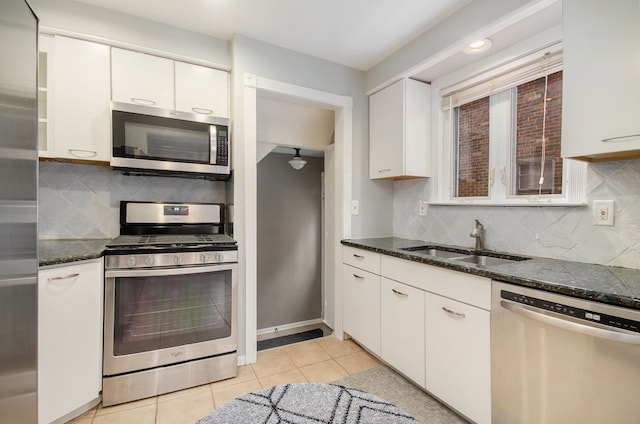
320, 360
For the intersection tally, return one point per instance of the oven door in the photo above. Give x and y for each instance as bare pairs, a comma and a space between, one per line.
156, 317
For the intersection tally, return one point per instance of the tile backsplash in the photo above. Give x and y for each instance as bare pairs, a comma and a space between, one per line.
83, 201
554, 232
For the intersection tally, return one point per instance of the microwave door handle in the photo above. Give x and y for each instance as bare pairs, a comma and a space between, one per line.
213, 144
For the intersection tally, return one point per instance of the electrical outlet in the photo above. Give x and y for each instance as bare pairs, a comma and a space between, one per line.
603, 212
355, 207
422, 208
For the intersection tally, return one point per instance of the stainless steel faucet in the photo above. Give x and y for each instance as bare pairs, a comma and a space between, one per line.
478, 234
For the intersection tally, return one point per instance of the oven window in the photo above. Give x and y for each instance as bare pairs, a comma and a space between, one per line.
165, 311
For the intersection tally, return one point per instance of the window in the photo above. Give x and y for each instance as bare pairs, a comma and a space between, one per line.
502, 138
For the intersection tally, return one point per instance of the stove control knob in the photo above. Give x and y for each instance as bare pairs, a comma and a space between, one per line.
131, 261
149, 260
204, 257
219, 257
177, 260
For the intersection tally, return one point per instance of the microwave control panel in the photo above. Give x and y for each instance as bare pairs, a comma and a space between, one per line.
222, 151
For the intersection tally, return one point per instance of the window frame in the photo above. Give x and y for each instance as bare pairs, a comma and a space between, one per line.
501, 146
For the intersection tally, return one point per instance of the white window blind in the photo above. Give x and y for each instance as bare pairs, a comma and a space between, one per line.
475, 88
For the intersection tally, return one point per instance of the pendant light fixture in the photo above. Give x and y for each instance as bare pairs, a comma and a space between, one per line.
297, 162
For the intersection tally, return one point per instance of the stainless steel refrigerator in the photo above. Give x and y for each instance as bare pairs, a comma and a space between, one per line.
18, 212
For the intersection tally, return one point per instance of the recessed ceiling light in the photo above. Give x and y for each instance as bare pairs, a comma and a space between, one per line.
478, 46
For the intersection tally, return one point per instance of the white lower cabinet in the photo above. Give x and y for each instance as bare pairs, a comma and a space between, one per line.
402, 328
361, 306
69, 339
458, 363
430, 323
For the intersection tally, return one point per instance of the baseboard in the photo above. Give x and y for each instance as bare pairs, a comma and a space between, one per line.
290, 326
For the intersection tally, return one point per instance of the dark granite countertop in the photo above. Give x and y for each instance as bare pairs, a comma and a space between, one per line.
55, 252
606, 284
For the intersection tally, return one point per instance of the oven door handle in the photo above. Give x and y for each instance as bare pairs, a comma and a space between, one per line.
154, 272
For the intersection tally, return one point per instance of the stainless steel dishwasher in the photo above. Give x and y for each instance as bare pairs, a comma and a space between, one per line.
557, 359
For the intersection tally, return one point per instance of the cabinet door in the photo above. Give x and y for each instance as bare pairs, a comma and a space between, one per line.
458, 363
361, 306
601, 86
82, 127
402, 329
142, 79
386, 132
69, 338
202, 90
399, 131
45, 96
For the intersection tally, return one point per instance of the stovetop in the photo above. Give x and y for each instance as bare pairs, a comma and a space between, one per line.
170, 240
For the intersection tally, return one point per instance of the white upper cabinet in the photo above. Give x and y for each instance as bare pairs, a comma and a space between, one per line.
148, 80
601, 82
142, 79
82, 122
399, 131
201, 90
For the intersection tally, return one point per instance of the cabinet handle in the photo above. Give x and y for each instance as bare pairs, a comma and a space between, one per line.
144, 102
66, 277
384, 170
453, 313
82, 153
399, 293
621, 139
359, 277
358, 256
202, 110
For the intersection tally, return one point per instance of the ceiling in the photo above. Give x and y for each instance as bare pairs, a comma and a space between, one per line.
356, 33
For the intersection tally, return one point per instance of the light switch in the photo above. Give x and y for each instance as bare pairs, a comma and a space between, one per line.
603, 212
422, 208
355, 207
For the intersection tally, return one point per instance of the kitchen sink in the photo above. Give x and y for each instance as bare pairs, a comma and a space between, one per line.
437, 252
480, 259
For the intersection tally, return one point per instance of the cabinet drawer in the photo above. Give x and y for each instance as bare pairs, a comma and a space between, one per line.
363, 259
461, 286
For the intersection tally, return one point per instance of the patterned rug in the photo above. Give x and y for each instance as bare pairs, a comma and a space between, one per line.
308, 403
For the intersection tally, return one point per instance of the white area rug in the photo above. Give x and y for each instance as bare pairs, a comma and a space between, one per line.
308, 403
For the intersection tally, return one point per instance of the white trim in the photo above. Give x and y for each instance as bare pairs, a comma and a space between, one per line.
343, 107
289, 326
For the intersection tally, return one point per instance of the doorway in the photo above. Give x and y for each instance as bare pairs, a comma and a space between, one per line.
337, 206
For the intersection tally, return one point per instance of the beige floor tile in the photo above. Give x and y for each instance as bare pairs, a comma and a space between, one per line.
272, 362
223, 395
245, 373
307, 353
357, 362
186, 409
323, 372
287, 377
125, 406
87, 415
337, 348
81, 421
141, 415
205, 388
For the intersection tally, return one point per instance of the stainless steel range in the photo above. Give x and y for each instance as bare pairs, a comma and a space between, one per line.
170, 301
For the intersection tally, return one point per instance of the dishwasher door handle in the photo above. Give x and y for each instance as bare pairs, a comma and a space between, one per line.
588, 330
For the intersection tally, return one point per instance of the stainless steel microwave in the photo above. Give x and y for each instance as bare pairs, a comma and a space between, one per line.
153, 141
